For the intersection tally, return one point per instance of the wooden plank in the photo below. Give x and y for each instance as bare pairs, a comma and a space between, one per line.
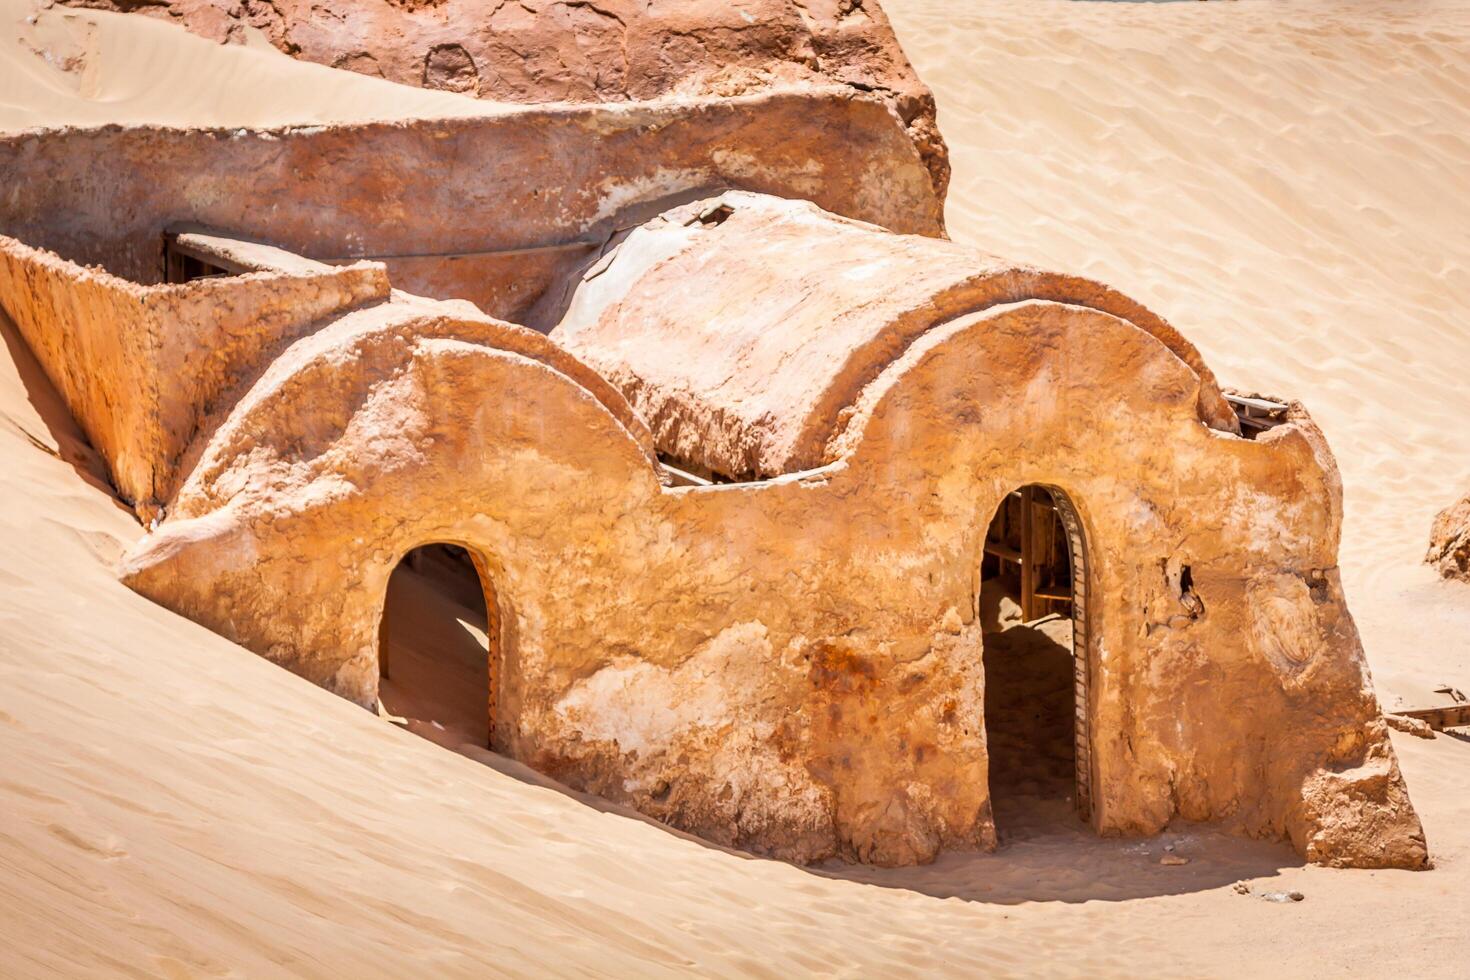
1449, 716
683, 478
1260, 404
1002, 551
238, 256
579, 244
1028, 560
200, 248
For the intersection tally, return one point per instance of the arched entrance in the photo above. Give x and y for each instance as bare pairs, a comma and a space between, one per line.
439, 645
1033, 611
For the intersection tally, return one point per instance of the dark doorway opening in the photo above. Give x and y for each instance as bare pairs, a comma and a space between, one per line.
1033, 684
438, 644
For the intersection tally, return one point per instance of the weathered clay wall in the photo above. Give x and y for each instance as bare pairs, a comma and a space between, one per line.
528, 178
743, 336
386, 329
141, 367
1449, 540
795, 666
540, 51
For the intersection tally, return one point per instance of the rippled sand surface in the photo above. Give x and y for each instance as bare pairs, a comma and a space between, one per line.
1286, 183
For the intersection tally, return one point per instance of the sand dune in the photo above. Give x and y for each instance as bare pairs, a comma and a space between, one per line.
67, 66
1282, 182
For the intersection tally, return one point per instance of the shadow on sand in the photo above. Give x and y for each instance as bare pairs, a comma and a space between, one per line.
1047, 854
1057, 859
67, 441
1066, 862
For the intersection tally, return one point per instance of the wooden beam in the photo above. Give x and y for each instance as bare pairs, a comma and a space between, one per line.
683, 478
1028, 559
383, 642
580, 244
1449, 716
1002, 551
1260, 404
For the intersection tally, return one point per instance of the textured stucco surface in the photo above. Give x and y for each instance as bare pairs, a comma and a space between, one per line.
538, 51
744, 328
419, 195
527, 179
141, 367
794, 666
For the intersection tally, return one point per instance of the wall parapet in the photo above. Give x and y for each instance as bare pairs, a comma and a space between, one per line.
141, 366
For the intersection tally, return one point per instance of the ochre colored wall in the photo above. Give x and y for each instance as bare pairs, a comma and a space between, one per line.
794, 666
142, 367
529, 177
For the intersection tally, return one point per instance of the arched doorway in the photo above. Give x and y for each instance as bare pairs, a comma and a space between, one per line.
439, 645
1033, 611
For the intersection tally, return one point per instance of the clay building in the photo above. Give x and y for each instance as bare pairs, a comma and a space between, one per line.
694, 468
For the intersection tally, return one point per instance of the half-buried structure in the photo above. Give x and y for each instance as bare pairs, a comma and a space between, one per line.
791, 523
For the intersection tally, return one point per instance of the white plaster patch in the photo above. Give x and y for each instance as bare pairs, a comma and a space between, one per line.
1267, 524
868, 270
644, 707
735, 163
618, 193
1284, 621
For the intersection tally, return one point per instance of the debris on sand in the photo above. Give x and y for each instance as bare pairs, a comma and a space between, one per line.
1283, 897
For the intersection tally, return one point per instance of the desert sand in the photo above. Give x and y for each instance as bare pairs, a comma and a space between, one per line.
1283, 182
64, 66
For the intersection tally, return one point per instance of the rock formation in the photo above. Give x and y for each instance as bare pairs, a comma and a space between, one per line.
1449, 541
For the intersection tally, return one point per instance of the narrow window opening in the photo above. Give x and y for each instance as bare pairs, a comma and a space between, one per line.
716, 215
183, 263
435, 648
683, 472
1257, 414
1031, 699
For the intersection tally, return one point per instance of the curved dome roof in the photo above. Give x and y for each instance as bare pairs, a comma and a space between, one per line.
744, 328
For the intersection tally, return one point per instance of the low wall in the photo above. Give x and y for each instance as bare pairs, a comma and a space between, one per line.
571, 51
436, 199
141, 367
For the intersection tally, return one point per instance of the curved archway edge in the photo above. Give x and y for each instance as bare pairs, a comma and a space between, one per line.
670, 640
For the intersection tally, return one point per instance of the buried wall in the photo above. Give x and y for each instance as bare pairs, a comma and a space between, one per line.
795, 666
568, 51
1449, 541
515, 204
141, 367
491, 209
